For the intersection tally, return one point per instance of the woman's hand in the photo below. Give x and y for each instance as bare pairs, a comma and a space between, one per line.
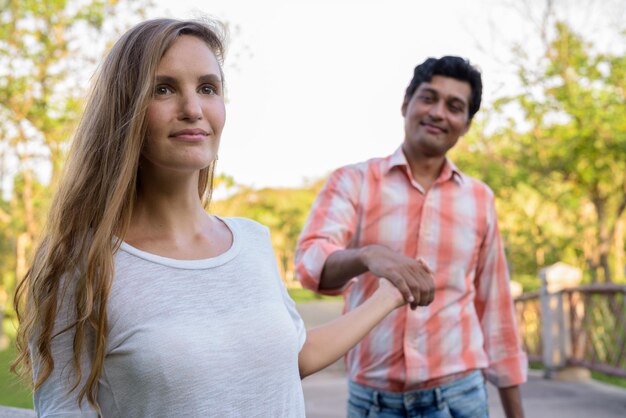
387, 293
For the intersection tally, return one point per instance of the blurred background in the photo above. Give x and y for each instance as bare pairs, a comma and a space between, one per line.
313, 85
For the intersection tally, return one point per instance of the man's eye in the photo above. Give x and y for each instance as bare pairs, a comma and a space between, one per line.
456, 108
208, 89
426, 99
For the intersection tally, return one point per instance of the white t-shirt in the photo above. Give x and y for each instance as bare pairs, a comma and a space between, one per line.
191, 338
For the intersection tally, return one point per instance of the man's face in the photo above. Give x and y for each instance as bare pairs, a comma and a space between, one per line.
436, 116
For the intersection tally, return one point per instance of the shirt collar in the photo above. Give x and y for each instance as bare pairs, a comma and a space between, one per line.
449, 172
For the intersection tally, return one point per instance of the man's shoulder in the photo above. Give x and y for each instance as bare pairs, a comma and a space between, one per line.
476, 184
361, 168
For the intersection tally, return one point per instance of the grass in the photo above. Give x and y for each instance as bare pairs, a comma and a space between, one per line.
611, 380
601, 377
13, 392
305, 295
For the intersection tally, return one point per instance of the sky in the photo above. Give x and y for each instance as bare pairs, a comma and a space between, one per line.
312, 85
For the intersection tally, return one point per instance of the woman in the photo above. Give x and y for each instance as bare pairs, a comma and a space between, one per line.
139, 303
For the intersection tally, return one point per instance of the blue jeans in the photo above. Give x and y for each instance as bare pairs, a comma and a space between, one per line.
462, 398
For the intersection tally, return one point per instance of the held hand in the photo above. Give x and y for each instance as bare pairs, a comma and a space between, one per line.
412, 277
387, 292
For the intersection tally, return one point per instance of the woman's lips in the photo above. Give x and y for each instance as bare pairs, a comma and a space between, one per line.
192, 135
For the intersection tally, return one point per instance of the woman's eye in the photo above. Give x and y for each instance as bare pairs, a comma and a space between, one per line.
162, 90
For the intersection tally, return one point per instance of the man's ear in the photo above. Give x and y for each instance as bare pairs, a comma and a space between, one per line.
405, 105
468, 125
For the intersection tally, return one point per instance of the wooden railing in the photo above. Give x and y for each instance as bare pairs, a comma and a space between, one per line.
582, 326
528, 310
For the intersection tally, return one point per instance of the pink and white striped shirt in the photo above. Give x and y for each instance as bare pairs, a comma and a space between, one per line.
453, 227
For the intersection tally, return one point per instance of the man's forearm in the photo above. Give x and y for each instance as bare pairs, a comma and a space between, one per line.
511, 402
340, 267
412, 277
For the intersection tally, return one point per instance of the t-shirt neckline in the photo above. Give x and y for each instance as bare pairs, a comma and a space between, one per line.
191, 264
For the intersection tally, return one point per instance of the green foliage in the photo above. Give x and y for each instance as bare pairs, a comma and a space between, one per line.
13, 392
559, 172
529, 282
300, 295
284, 211
47, 54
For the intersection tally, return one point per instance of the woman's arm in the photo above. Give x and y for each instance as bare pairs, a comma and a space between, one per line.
329, 342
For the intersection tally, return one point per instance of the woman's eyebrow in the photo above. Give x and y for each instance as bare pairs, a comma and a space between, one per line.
209, 78
165, 79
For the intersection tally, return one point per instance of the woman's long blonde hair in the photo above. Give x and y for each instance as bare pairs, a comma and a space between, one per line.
91, 210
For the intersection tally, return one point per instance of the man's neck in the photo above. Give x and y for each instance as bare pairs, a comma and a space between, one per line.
424, 169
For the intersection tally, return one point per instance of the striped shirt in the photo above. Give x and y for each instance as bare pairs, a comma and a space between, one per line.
453, 227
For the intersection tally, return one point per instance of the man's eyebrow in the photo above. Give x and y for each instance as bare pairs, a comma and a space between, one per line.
431, 90
458, 99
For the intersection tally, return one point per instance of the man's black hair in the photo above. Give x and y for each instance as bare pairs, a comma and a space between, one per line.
453, 67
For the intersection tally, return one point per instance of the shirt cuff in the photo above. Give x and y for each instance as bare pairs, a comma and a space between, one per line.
310, 267
510, 371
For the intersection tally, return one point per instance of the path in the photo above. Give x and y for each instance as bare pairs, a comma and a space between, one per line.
325, 393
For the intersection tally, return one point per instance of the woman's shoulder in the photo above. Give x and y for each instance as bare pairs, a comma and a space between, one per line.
245, 225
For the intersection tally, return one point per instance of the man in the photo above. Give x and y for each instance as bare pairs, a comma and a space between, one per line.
416, 219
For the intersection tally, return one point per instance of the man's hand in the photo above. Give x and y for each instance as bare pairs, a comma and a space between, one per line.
412, 277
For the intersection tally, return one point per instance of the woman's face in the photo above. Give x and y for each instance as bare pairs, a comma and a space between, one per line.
186, 114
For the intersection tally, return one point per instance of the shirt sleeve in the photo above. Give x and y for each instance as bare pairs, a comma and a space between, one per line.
329, 227
54, 398
507, 361
289, 303
295, 316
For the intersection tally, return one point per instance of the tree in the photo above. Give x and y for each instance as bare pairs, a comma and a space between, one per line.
536, 230
283, 210
47, 54
573, 149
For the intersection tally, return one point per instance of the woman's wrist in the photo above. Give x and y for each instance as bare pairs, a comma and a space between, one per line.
387, 298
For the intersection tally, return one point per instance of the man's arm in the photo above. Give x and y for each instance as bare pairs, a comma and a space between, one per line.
324, 261
511, 402
412, 277
329, 229
494, 307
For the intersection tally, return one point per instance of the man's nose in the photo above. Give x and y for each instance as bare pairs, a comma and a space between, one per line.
437, 110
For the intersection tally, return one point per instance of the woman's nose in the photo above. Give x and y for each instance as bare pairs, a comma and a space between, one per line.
190, 107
